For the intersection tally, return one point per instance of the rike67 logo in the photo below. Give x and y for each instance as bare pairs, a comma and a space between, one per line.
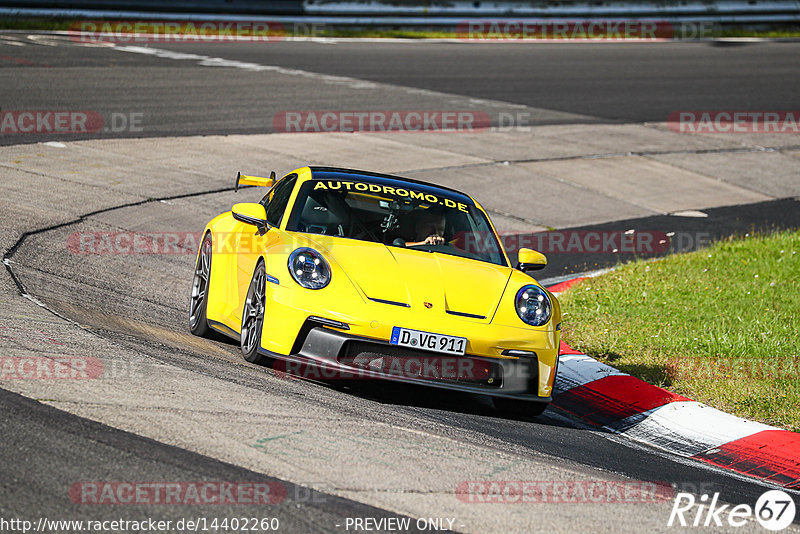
774, 510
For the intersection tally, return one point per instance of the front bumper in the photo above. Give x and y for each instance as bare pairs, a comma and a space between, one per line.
331, 354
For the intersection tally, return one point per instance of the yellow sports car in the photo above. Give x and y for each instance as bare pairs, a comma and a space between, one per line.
339, 273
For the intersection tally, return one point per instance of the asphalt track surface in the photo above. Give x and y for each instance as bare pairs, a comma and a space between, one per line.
563, 83
629, 83
79, 449
689, 233
611, 82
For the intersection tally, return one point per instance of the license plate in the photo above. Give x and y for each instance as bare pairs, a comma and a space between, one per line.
417, 339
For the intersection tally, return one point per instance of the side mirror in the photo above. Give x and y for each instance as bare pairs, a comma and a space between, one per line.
530, 260
251, 213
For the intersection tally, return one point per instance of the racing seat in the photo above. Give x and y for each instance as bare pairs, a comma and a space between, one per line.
318, 219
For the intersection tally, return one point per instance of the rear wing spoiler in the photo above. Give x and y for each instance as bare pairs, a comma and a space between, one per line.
258, 181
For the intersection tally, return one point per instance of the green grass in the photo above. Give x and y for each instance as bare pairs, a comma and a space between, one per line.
720, 326
766, 34
34, 24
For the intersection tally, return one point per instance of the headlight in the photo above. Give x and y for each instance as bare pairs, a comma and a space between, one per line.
309, 268
533, 305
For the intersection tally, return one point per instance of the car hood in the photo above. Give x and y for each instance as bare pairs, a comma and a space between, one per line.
446, 284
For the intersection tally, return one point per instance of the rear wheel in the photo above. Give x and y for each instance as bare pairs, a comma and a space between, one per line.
253, 316
519, 407
198, 323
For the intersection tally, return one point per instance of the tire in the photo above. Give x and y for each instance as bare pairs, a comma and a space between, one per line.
519, 407
253, 316
198, 322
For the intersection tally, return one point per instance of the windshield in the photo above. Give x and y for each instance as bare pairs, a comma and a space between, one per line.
421, 219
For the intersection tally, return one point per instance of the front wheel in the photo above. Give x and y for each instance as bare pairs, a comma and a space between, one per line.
198, 323
253, 316
519, 407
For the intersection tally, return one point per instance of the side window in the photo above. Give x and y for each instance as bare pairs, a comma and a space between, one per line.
278, 199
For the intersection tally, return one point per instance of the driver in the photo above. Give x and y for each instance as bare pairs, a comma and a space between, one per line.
429, 228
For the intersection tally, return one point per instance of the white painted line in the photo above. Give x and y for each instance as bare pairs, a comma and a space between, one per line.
353, 83
688, 428
66, 38
565, 278
689, 213
9, 40
45, 40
